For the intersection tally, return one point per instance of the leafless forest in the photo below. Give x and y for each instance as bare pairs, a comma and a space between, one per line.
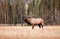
13, 11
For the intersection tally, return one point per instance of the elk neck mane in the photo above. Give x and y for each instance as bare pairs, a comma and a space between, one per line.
27, 20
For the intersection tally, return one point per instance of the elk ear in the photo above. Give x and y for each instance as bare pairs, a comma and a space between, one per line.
25, 18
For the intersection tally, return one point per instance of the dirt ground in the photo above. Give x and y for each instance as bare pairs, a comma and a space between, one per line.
26, 32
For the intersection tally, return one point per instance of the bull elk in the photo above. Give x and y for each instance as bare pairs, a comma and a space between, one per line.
34, 21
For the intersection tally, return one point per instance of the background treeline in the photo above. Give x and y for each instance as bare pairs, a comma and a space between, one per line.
13, 11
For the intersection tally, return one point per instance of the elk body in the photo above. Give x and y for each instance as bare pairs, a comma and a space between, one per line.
35, 21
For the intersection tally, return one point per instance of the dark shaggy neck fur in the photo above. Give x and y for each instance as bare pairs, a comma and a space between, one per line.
27, 21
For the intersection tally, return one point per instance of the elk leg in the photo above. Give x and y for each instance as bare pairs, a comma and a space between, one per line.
32, 26
39, 26
42, 25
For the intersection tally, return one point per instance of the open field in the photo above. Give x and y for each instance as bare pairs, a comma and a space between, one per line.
26, 32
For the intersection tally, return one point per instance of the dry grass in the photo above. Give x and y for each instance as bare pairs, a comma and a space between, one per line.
26, 32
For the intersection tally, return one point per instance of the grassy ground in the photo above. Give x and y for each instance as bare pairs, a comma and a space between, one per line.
26, 32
